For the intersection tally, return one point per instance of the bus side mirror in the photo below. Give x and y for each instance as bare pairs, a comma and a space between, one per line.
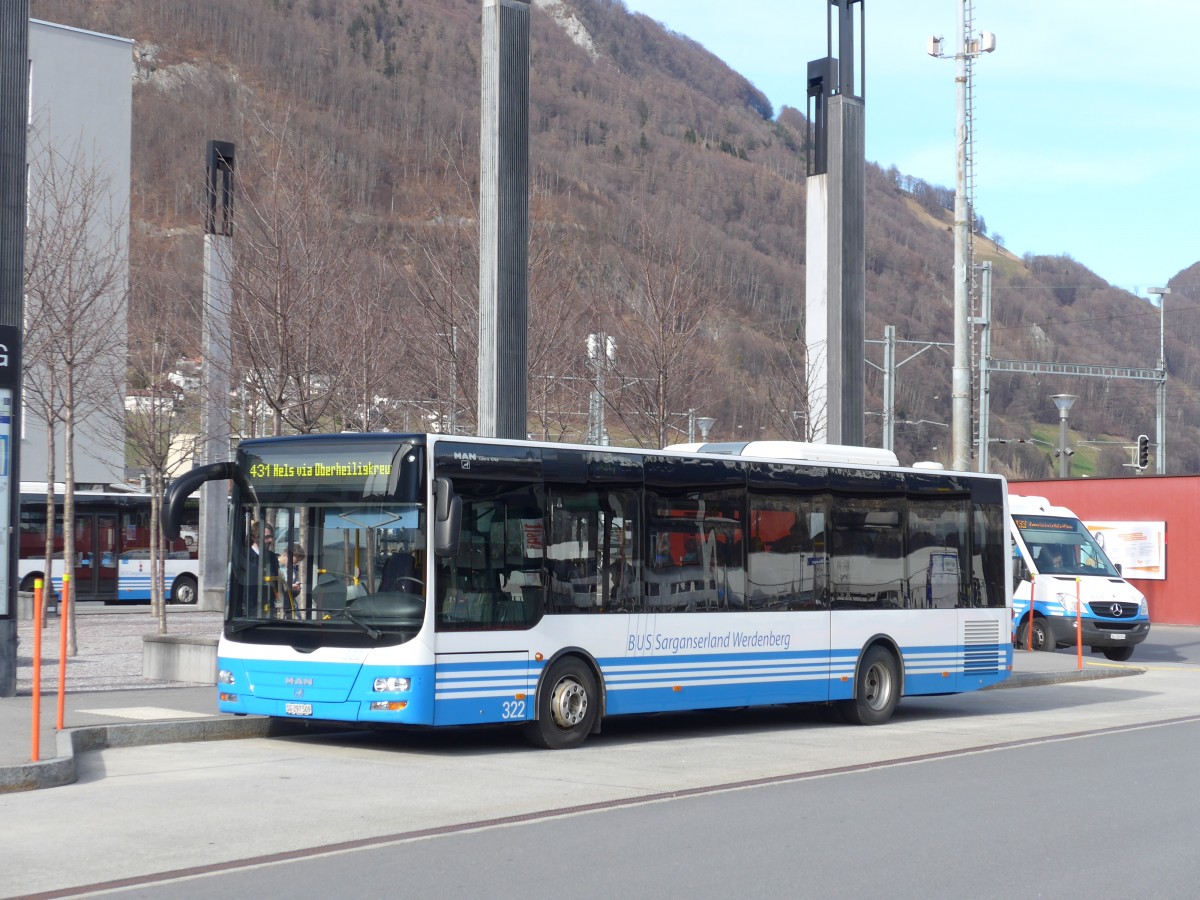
183, 487
447, 518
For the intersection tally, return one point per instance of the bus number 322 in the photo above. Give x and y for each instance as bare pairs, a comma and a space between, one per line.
513, 709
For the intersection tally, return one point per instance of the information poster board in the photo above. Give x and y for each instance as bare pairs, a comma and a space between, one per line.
1139, 548
6, 474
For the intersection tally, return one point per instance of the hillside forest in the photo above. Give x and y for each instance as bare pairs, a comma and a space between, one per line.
667, 212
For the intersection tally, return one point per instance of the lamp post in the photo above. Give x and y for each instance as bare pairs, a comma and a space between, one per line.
705, 424
1063, 402
1160, 389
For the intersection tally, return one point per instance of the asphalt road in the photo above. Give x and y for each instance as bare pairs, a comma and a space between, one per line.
952, 798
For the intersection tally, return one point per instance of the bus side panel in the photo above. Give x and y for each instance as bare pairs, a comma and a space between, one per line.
709, 661
474, 688
942, 651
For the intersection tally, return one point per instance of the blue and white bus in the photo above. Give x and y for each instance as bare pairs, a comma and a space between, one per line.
112, 547
449, 580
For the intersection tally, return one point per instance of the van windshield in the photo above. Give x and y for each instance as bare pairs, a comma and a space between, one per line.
1063, 546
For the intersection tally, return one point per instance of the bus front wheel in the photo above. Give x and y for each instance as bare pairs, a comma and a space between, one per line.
184, 590
566, 707
1117, 654
876, 690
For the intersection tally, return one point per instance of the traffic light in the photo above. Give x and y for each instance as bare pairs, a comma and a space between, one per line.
1143, 451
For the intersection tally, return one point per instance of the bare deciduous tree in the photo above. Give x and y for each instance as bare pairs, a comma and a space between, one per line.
296, 255
660, 309
76, 285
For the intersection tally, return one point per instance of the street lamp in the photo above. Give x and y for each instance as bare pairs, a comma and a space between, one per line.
705, 424
1160, 389
1063, 402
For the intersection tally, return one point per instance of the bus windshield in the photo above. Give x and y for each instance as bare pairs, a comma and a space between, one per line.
322, 540
1063, 546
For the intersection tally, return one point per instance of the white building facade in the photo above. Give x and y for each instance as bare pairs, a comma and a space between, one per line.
81, 105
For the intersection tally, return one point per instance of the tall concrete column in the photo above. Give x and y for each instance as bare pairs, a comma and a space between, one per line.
14, 119
214, 400
835, 284
504, 220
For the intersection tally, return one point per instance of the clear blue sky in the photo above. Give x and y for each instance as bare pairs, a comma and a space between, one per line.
1087, 114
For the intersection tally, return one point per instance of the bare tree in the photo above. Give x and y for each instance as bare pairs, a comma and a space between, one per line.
660, 310
76, 285
158, 431
788, 386
296, 256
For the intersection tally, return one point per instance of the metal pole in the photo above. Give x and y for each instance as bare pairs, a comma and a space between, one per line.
985, 352
1160, 390
960, 421
14, 120
889, 387
1062, 443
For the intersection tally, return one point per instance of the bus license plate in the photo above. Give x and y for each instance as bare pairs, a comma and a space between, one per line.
298, 709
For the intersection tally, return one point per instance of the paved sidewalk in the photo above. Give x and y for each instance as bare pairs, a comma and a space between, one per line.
104, 687
107, 702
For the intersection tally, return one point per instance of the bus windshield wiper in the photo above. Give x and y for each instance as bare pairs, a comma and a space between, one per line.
247, 625
349, 616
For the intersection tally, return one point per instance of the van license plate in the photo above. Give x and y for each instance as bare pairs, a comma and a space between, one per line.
298, 709
1118, 637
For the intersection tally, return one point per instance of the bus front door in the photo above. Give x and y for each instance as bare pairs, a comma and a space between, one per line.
95, 576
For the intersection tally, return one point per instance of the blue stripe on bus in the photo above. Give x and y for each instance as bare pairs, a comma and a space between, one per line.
490, 691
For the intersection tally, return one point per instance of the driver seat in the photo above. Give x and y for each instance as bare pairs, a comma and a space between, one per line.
397, 568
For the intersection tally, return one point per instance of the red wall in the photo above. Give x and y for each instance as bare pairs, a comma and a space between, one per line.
1174, 499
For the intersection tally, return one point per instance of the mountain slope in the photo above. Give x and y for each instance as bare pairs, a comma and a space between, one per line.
651, 161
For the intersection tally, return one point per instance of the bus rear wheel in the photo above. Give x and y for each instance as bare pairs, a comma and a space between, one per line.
184, 590
566, 707
876, 690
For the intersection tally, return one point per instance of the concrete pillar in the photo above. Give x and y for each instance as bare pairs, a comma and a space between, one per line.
504, 220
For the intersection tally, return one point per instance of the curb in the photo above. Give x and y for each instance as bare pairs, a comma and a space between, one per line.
1034, 679
62, 769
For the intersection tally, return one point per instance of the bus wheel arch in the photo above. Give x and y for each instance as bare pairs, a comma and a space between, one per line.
185, 589
878, 685
27, 585
568, 703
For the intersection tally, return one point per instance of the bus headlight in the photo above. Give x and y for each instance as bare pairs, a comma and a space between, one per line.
392, 685
224, 677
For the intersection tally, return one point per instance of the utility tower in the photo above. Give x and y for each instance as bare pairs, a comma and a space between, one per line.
968, 47
835, 283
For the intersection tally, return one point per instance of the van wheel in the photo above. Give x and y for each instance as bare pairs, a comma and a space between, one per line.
566, 707
1043, 637
1118, 654
876, 691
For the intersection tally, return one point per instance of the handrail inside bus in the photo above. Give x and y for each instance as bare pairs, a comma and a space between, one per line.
183, 487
